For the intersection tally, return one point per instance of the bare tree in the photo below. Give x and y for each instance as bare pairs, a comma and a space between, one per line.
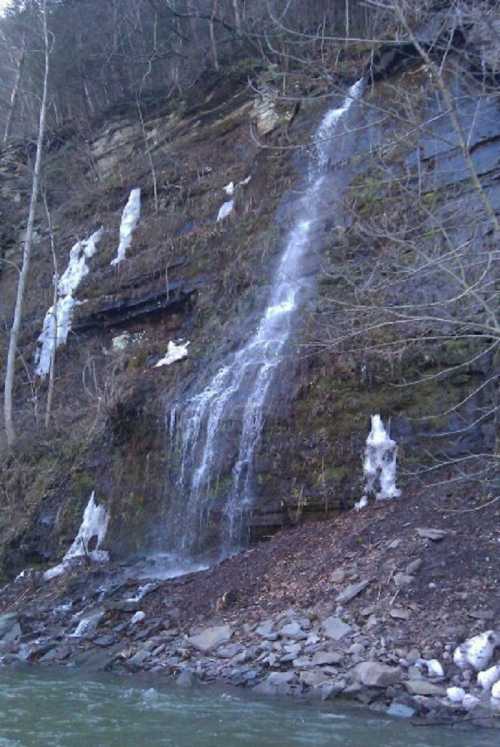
19, 63
23, 277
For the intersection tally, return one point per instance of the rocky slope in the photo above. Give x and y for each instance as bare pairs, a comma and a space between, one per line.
369, 606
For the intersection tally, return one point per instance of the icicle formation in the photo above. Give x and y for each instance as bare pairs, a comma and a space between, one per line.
130, 219
379, 465
93, 527
57, 322
175, 352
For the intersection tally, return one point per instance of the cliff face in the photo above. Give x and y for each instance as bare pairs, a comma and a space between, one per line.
190, 276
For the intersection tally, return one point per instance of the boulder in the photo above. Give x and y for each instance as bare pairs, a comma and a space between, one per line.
314, 678
211, 638
293, 630
335, 628
10, 630
423, 687
375, 674
324, 658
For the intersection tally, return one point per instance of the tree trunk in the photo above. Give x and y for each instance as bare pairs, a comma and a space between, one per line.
15, 91
212, 36
23, 276
237, 16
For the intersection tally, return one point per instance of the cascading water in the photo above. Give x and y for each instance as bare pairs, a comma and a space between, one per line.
210, 509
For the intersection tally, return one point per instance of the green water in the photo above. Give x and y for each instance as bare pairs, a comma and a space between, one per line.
61, 710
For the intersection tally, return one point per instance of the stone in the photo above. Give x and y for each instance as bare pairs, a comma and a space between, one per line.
276, 679
302, 663
137, 661
277, 683
399, 613
375, 674
266, 630
105, 640
352, 591
331, 690
293, 630
322, 658
402, 579
186, 678
227, 652
10, 630
357, 649
432, 534
414, 566
335, 628
338, 576
400, 710
423, 687
470, 702
314, 678
293, 648
211, 638
394, 544
413, 655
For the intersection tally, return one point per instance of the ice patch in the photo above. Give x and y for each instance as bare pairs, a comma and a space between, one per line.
229, 189
175, 352
94, 526
455, 694
225, 210
379, 465
476, 653
433, 666
58, 319
489, 677
130, 218
138, 617
87, 625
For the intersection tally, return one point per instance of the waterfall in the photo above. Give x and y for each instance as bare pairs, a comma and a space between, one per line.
210, 508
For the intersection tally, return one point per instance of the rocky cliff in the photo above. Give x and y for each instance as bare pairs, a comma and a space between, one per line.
190, 276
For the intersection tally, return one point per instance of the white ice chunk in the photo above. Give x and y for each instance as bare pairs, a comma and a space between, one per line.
229, 189
56, 571
58, 320
94, 526
495, 691
488, 678
88, 624
225, 210
455, 694
175, 352
433, 666
379, 464
138, 617
476, 653
130, 218
246, 181
361, 504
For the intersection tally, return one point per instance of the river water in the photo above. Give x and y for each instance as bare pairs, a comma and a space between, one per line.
62, 709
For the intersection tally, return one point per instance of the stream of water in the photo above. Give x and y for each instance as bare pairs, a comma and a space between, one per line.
209, 502
64, 709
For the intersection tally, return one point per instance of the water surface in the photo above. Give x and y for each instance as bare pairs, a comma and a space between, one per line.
63, 709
